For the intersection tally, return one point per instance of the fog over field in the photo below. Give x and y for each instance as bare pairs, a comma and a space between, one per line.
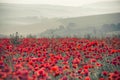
42, 19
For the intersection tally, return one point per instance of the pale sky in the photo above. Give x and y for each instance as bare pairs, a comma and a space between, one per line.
54, 2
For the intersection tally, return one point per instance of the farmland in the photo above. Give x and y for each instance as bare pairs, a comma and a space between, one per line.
60, 59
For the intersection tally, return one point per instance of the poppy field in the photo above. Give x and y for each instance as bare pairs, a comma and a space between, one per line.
60, 59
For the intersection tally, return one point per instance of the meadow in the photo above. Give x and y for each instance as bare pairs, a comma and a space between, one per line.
60, 59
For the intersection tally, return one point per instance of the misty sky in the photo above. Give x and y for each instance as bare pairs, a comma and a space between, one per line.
54, 2
23, 19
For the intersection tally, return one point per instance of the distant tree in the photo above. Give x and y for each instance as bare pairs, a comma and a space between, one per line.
61, 27
51, 33
31, 36
111, 27
87, 36
15, 39
71, 25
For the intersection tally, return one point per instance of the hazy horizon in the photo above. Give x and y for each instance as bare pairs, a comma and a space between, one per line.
74, 3
29, 19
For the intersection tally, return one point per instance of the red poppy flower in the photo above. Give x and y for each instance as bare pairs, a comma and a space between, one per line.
55, 68
87, 78
76, 61
86, 67
93, 60
105, 73
64, 78
98, 64
3, 75
101, 79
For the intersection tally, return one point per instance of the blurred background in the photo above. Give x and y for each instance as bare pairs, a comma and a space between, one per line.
60, 18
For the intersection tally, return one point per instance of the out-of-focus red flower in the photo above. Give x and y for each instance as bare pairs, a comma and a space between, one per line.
118, 78
93, 60
85, 67
112, 76
64, 78
101, 79
1, 63
18, 66
23, 74
3, 75
113, 51
80, 77
30, 63
98, 64
36, 68
116, 72
105, 73
7, 70
34, 59
75, 66
76, 61
57, 74
80, 70
66, 67
87, 78
42, 74
86, 72
55, 68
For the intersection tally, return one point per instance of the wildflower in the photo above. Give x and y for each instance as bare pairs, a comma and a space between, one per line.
55, 68
105, 73
87, 78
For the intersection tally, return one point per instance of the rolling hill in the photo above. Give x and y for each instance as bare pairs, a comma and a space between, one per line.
80, 26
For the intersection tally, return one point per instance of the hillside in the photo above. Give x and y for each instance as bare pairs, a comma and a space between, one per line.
79, 26
92, 21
